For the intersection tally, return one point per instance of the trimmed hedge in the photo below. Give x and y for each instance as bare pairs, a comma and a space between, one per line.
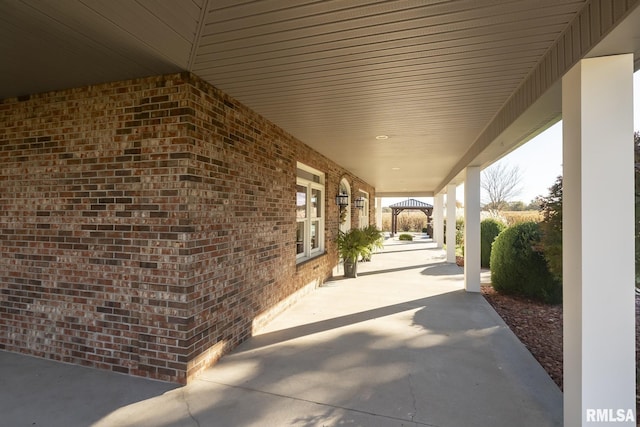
459, 231
489, 230
405, 236
517, 269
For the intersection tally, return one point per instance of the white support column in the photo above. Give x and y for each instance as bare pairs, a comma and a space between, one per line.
379, 213
598, 272
438, 223
451, 223
472, 229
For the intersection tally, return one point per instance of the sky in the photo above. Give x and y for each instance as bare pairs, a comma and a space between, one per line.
539, 160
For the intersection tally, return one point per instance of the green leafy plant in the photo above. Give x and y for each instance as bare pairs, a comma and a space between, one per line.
375, 238
459, 236
518, 269
489, 230
357, 243
551, 227
351, 244
460, 232
343, 215
405, 236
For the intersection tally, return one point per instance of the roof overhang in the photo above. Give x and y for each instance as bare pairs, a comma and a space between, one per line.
546, 109
450, 84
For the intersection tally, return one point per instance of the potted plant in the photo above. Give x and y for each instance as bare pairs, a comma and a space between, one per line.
375, 238
351, 245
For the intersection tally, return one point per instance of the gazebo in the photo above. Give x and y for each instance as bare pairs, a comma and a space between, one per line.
410, 204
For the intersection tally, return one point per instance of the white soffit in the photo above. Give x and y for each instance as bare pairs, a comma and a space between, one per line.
431, 75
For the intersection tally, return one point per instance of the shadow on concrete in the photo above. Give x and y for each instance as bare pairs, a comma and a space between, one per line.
406, 250
392, 270
391, 243
435, 267
440, 358
40, 392
457, 369
443, 269
333, 323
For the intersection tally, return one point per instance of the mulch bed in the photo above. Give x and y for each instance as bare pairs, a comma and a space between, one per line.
537, 325
539, 328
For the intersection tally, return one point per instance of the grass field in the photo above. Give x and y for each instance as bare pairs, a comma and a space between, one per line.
516, 217
415, 221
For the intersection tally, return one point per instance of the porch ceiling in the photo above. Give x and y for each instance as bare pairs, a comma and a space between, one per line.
433, 76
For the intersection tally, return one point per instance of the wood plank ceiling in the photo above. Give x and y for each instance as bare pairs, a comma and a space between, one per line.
430, 75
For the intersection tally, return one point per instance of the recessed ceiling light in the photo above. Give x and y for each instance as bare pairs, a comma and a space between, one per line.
395, 169
381, 137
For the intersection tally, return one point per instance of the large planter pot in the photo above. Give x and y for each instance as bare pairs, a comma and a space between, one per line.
350, 269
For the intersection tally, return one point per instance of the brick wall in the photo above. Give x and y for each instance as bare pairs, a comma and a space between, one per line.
148, 226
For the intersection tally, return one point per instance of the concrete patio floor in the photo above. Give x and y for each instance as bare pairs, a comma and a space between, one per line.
401, 345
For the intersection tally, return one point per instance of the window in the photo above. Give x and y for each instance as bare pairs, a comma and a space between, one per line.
364, 212
345, 215
309, 213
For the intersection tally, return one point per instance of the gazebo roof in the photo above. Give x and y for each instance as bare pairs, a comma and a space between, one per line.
411, 203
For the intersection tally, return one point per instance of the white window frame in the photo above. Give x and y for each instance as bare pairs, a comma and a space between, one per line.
308, 252
363, 219
345, 187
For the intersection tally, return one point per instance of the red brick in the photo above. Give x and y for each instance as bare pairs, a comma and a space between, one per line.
148, 226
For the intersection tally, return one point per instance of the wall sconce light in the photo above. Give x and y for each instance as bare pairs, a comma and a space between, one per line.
342, 200
359, 202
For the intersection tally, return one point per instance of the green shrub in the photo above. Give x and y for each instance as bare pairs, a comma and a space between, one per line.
375, 240
405, 236
460, 232
489, 230
352, 244
517, 269
551, 227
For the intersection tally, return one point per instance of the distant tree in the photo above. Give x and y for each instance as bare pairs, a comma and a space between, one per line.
386, 222
500, 183
404, 221
551, 227
535, 204
551, 208
516, 206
